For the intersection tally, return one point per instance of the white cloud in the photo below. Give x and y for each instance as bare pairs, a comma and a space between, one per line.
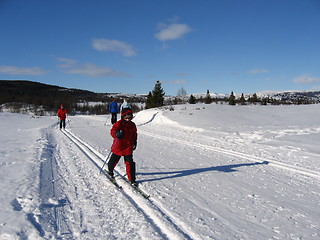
91, 70
13, 70
306, 79
177, 81
182, 74
172, 32
70, 66
257, 71
66, 62
108, 45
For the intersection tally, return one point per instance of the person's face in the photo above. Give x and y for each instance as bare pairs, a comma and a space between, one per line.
127, 118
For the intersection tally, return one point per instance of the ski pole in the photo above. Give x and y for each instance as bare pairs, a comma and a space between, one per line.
105, 161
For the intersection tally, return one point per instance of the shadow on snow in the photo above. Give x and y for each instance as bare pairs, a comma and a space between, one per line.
183, 173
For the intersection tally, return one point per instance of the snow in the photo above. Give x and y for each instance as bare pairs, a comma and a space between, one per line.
212, 171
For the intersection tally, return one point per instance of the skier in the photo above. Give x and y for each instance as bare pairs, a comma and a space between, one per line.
125, 135
62, 115
124, 105
113, 109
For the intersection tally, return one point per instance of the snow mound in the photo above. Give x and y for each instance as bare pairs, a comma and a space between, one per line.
157, 117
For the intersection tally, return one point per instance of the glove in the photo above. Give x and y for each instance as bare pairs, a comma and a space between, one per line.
119, 134
134, 146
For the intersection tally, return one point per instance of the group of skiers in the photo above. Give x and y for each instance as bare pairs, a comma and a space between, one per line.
114, 109
124, 133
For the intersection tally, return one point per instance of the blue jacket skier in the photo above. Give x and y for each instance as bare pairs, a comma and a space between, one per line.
113, 109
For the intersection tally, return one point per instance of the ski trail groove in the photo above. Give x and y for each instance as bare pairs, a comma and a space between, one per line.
162, 219
53, 212
296, 169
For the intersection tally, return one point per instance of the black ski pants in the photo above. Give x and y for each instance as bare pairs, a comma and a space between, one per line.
113, 118
130, 165
62, 123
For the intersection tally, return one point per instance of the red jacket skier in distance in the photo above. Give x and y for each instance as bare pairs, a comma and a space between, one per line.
124, 146
62, 113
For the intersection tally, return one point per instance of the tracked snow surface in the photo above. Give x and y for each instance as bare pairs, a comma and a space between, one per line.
212, 172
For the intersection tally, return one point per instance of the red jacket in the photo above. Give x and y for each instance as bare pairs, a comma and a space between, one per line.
124, 146
62, 113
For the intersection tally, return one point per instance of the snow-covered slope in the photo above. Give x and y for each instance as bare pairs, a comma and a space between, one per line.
213, 172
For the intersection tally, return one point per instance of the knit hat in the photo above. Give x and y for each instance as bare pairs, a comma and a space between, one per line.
126, 111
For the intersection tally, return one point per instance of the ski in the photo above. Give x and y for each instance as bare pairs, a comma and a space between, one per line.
136, 187
112, 179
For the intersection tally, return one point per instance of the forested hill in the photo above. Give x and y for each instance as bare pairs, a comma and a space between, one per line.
16, 96
12, 90
46, 95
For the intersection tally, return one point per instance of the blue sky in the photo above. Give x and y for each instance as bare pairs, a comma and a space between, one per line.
244, 46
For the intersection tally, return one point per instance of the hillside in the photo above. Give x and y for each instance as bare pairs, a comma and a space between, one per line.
18, 95
34, 92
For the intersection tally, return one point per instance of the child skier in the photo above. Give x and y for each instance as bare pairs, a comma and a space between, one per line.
124, 133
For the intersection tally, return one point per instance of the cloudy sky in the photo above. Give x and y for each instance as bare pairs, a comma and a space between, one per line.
244, 46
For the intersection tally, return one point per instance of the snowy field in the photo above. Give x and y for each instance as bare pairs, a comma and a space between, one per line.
212, 171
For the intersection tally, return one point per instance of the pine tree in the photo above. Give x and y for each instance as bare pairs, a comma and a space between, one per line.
156, 97
192, 99
149, 103
232, 99
208, 98
242, 100
254, 98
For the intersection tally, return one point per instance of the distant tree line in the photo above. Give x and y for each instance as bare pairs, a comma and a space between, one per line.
41, 99
251, 99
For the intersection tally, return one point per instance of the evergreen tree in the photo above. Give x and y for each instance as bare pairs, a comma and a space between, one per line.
254, 98
156, 97
232, 99
242, 100
208, 98
149, 103
192, 99
265, 101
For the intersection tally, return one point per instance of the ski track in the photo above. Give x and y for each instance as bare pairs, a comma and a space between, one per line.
65, 188
161, 218
53, 206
